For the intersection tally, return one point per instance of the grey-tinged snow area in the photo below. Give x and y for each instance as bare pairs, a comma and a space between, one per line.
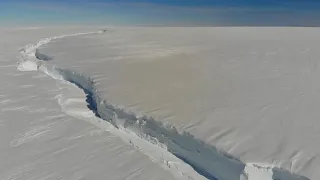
251, 93
39, 141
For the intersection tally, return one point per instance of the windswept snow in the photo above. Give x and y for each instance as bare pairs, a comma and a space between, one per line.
206, 95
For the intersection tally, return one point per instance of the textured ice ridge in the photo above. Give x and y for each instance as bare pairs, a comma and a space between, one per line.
205, 159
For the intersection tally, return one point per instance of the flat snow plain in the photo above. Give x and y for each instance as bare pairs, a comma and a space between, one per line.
39, 142
233, 103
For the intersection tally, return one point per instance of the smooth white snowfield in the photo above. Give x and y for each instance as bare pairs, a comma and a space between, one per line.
38, 141
250, 93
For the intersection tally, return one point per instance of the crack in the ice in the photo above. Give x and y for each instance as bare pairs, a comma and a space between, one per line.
203, 158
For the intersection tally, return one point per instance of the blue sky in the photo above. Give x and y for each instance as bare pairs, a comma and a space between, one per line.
163, 12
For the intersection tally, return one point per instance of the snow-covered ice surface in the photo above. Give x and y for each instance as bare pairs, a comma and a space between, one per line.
233, 103
39, 141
